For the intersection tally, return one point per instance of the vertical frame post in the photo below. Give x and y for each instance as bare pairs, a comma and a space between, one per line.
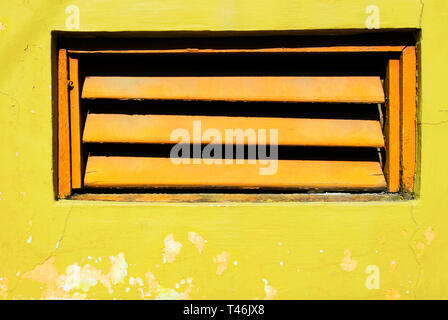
75, 124
408, 79
392, 127
64, 185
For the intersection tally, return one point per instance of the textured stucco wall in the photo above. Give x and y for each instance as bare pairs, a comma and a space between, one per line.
75, 249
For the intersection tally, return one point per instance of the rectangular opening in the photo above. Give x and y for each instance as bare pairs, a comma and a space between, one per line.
247, 117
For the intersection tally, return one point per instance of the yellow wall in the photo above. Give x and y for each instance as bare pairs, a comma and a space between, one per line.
76, 249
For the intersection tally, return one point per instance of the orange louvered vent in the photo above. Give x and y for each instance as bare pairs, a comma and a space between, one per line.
292, 119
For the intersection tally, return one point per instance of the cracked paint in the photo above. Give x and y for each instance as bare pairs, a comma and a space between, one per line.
171, 250
222, 260
347, 263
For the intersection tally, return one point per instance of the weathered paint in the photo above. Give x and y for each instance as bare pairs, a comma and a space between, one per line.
121, 128
126, 172
291, 89
314, 235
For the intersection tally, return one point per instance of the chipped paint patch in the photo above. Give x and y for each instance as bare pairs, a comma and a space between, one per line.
420, 248
158, 292
270, 291
58, 286
28, 233
197, 240
118, 269
393, 294
171, 250
3, 26
347, 263
429, 235
77, 278
44, 273
4, 287
152, 284
169, 294
222, 261
393, 266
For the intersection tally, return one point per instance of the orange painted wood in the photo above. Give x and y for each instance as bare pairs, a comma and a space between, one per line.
122, 128
408, 116
294, 89
141, 172
392, 127
236, 197
334, 49
64, 185
75, 125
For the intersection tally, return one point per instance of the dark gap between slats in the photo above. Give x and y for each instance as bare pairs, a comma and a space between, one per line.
284, 152
233, 109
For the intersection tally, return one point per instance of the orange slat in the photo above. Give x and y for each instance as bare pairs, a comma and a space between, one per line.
121, 128
140, 172
392, 127
75, 124
408, 116
64, 185
294, 89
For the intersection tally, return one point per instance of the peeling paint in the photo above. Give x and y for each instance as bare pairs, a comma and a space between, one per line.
118, 268
393, 294
222, 261
420, 248
270, 291
4, 287
393, 266
429, 235
158, 292
347, 263
76, 278
253, 230
197, 240
44, 273
171, 250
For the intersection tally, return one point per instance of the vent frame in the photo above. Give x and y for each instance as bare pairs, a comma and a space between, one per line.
400, 172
